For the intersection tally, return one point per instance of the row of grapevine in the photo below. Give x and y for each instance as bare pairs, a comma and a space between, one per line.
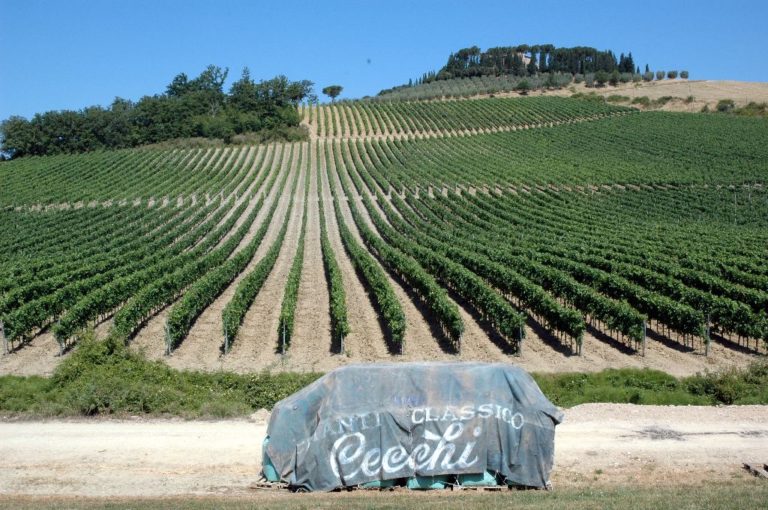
434, 297
498, 312
372, 274
526, 294
617, 315
469, 86
100, 301
611, 151
362, 119
21, 321
338, 300
124, 175
643, 291
727, 314
291, 294
210, 285
249, 287
150, 298
129, 254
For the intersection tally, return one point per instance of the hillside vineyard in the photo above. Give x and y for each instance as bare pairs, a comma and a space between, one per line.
526, 229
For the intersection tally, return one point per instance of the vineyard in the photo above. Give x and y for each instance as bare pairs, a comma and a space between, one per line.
555, 233
471, 86
453, 118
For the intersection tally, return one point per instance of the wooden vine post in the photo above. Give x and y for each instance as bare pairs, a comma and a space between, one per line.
167, 339
6, 347
645, 337
707, 337
282, 343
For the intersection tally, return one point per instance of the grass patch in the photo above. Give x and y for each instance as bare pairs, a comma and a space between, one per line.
592, 96
663, 100
107, 378
616, 98
652, 387
753, 109
737, 494
646, 102
276, 134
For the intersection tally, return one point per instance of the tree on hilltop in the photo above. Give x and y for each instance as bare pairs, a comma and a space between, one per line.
332, 91
531, 68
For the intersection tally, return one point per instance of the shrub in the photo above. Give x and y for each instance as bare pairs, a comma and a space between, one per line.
625, 77
684, 75
601, 78
753, 110
648, 76
690, 99
725, 105
578, 78
637, 77
616, 98
643, 101
672, 75
523, 87
589, 97
615, 77
659, 75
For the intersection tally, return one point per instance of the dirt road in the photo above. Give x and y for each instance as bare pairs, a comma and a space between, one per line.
598, 444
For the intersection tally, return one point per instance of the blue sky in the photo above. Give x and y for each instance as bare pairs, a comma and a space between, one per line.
71, 54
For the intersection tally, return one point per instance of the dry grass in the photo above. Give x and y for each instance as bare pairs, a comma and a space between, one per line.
750, 493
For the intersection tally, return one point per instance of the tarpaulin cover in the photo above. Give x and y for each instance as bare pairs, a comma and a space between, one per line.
383, 421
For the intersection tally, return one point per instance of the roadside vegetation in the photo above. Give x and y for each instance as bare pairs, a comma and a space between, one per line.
107, 378
749, 493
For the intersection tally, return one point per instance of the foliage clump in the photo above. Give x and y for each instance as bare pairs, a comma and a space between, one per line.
105, 377
189, 108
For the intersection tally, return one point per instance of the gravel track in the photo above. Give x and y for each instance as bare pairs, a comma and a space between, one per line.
597, 445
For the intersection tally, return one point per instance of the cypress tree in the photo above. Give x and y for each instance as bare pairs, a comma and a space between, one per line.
532, 66
630, 64
518, 68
